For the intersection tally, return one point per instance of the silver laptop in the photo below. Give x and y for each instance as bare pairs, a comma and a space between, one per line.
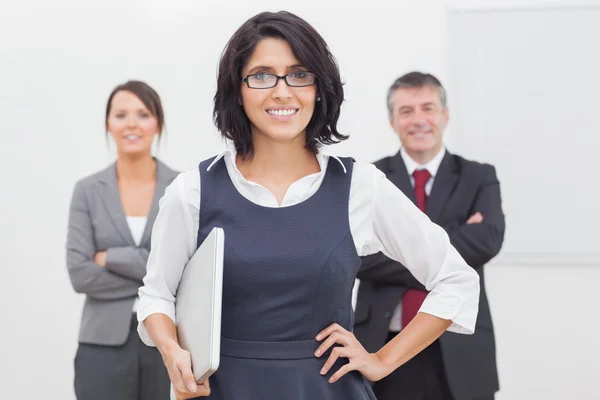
198, 305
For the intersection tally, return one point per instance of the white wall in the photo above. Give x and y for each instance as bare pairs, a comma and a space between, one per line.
516, 101
482, 5
58, 62
546, 324
544, 304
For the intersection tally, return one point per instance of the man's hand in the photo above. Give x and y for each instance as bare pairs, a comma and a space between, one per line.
476, 218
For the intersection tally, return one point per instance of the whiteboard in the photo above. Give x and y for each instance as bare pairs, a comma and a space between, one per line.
524, 89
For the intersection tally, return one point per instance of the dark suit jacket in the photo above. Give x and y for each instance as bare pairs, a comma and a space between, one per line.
460, 189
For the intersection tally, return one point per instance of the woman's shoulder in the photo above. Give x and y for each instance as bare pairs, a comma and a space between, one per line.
365, 178
360, 169
189, 179
188, 182
185, 186
104, 175
366, 168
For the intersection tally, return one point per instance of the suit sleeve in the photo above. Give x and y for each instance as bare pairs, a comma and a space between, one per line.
86, 276
127, 261
379, 269
479, 243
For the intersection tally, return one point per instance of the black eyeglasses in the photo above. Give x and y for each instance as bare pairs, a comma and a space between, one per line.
293, 79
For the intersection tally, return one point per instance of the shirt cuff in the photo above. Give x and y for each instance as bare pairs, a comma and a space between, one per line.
148, 307
462, 312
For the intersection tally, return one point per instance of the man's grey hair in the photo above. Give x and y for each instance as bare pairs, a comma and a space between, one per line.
412, 80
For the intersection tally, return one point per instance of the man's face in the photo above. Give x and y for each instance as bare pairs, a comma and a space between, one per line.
419, 119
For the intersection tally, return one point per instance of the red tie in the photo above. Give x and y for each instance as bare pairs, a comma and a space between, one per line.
413, 298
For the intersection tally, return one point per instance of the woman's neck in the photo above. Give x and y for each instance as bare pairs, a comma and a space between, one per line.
136, 169
279, 162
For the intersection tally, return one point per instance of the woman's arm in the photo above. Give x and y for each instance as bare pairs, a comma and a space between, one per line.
178, 361
173, 244
87, 276
405, 234
422, 330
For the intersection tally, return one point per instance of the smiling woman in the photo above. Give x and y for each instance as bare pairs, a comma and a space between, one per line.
296, 222
251, 77
265, 108
134, 116
110, 222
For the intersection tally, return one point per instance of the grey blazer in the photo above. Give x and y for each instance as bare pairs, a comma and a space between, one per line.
97, 222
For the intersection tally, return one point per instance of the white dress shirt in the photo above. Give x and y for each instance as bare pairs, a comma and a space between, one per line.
136, 227
381, 218
432, 166
411, 166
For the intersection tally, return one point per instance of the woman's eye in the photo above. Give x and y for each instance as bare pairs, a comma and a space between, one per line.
298, 75
261, 76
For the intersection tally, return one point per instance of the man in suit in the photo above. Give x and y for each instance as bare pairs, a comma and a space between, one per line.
461, 196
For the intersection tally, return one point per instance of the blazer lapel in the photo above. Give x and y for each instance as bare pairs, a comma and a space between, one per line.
398, 175
112, 202
443, 185
164, 176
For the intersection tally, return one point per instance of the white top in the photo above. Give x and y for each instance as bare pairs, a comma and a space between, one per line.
381, 218
411, 166
136, 227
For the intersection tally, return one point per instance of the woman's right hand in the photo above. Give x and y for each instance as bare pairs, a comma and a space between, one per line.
179, 366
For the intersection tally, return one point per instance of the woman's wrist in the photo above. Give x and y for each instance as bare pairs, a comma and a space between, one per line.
167, 347
388, 358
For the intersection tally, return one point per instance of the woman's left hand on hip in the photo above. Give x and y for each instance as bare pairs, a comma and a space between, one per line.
368, 364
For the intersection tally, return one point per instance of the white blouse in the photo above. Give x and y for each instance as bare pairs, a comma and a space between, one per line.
381, 218
137, 226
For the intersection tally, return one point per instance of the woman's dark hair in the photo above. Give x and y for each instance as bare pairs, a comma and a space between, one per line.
312, 52
146, 94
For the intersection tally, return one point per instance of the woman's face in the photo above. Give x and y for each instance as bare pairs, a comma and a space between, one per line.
280, 113
131, 124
